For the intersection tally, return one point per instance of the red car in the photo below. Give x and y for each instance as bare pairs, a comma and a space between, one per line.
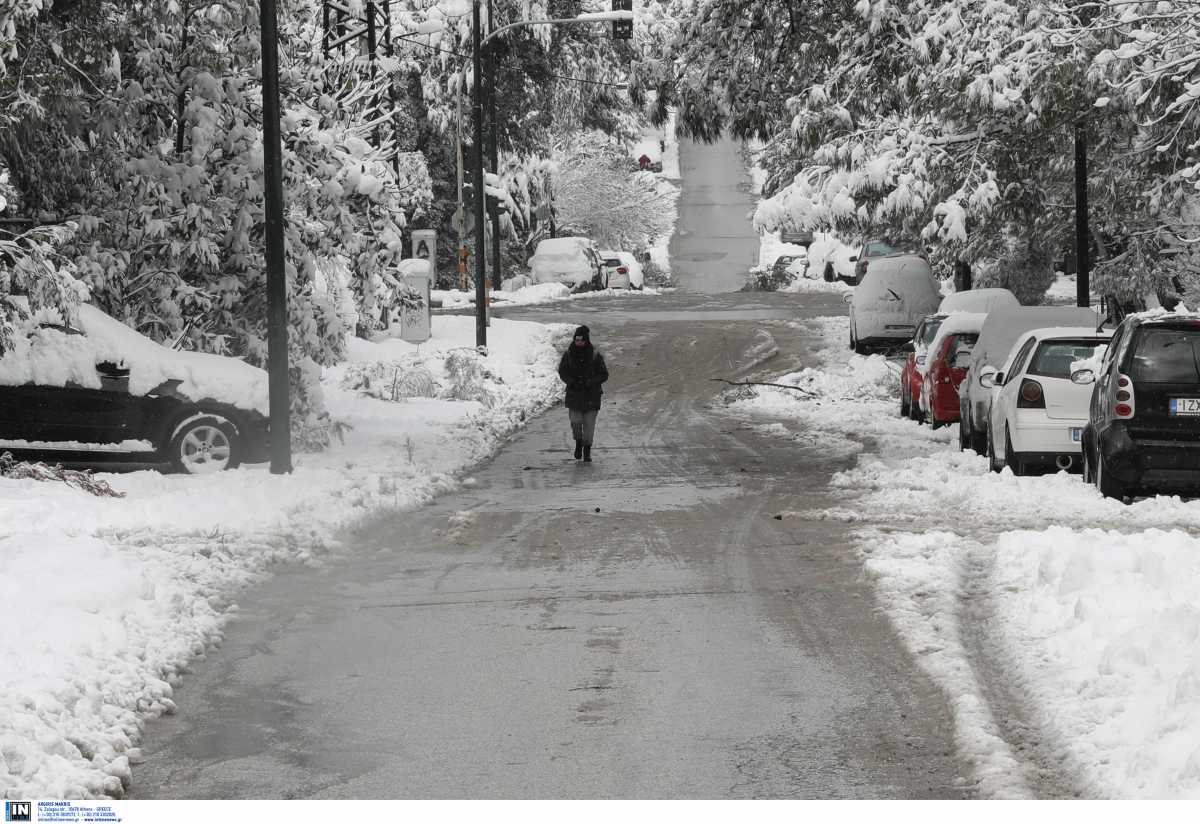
914, 367
946, 369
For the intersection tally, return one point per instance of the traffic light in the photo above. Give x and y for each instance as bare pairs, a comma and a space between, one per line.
622, 29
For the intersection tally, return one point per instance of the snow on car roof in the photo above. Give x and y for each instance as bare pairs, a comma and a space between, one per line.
53, 357
1004, 325
561, 245
977, 300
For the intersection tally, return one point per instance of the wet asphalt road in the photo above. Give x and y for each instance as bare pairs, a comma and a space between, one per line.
638, 627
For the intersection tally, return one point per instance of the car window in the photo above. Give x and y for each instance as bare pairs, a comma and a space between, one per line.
1113, 346
1166, 356
1053, 358
58, 327
877, 247
929, 331
1019, 361
611, 262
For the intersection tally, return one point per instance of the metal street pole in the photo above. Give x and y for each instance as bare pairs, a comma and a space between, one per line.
1082, 243
497, 266
480, 192
277, 333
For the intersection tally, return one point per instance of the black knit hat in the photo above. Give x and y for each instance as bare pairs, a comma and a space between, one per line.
585, 333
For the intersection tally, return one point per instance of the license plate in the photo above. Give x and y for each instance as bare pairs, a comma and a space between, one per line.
1185, 406
1076, 433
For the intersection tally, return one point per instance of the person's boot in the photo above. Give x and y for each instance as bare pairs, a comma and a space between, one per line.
587, 453
578, 449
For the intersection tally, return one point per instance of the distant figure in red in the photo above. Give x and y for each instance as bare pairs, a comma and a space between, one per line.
644, 162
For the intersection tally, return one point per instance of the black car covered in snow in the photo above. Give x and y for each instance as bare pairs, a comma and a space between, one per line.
92, 391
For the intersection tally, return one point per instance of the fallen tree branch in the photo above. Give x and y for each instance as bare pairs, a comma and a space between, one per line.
761, 383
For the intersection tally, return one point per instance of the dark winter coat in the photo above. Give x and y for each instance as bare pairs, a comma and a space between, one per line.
583, 371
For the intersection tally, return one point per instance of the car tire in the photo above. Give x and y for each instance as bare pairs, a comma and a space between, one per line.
1085, 462
1011, 459
979, 442
964, 435
205, 444
1109, 486
905, 402
993, 464
830, 275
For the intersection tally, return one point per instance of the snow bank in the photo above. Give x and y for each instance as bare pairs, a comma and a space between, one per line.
533, 295
1083, 610
104, 609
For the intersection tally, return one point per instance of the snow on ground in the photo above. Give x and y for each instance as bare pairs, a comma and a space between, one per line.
105, 609
1033, 593
825, 247
534, 295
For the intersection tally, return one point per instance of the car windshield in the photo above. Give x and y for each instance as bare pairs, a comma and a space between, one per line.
930, 331
612, 262
1053, 358
878, 248
1165, 355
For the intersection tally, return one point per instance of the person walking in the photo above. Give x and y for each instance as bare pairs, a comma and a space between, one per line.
584, 372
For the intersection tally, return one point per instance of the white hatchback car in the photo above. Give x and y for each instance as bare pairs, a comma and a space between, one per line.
621, 270
1037, 414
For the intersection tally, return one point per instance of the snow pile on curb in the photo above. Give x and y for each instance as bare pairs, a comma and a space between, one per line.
105, 609
1034, 592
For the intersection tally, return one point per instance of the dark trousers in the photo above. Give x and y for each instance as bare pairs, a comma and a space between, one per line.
583, 425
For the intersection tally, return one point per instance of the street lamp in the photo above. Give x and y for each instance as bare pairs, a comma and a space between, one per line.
478, 44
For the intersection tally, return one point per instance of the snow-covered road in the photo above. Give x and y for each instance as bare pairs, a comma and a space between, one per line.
1064, 627
638, 627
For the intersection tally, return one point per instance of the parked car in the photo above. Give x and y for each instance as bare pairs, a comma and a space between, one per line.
887, 306
621, 270
946, 367
978, 300
1000, 331
96, 392
913, 373
573, 261
795, 266
1038, 414
879, 248
1142, 435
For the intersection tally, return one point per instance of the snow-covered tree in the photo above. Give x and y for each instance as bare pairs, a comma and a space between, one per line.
596, 194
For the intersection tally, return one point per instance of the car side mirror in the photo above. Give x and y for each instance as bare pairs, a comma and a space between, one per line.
846, 298
1083, 377
987, 380
908, 346
854, 258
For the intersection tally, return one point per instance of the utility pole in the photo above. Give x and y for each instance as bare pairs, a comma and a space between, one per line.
478, 43
1082, 242
277, 332
480, 192
497, 265
460, 217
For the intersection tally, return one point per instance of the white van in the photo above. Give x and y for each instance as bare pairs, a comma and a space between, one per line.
572, 261
895, 294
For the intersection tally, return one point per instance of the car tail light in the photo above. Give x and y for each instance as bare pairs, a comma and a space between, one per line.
1031, 395
621, 270
1125, 406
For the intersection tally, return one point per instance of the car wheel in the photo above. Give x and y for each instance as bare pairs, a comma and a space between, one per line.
964, 434
1109, 486
830, 275
1010, 457
993, 464
205, 444
1085, 460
